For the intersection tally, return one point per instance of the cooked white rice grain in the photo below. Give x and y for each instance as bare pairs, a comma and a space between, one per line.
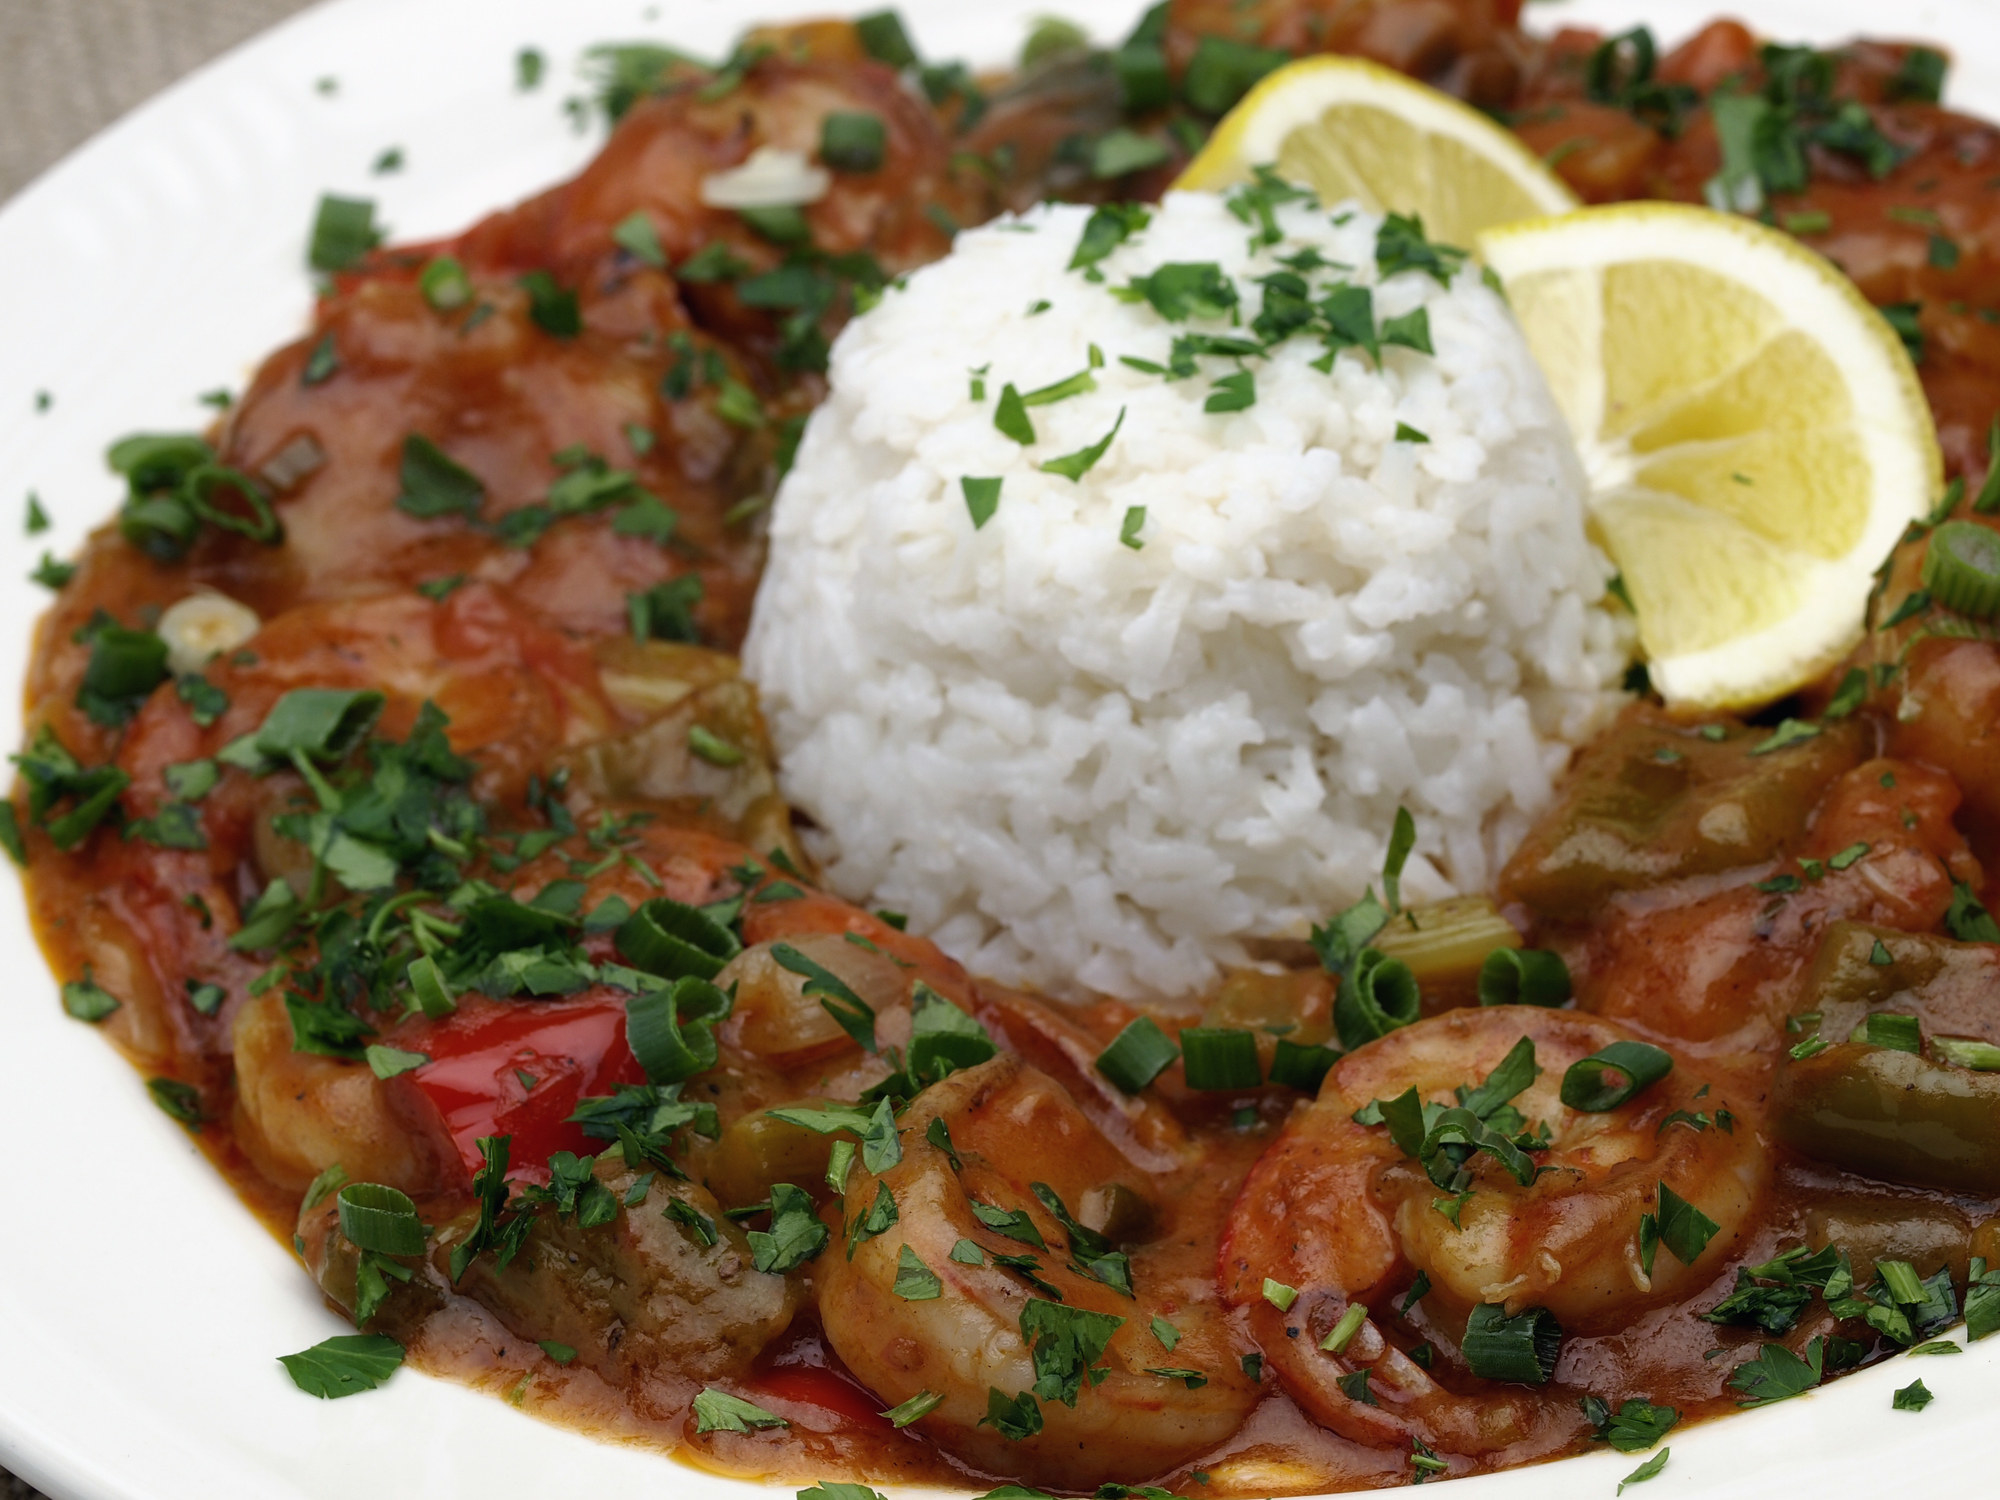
1081, 765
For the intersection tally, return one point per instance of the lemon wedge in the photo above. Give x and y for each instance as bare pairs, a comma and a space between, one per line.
1754, 432
1353, 129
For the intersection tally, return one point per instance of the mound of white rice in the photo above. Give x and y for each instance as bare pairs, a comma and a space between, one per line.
1082, 764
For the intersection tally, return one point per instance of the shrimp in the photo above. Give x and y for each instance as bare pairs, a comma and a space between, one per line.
1335, 1210
298, 1113
990, 1340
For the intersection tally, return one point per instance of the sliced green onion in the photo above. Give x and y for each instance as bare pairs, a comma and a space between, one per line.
380, 1218
1891, 1030
1301, 1067
445, 285
125, 666
883, 38
1607, 1079
1343, 1333
1378, 996
1901, 1278
1962, 569
1137, 1055
1524, 976
674, 940
853, 142
918, 1406
343, 232
1279, 1295
1967, 1052
427, 981
671, 1031
1143, 80
204, 489
1522, 1348
1219, 1058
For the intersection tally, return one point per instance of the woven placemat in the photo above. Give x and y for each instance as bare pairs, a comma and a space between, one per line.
68, 68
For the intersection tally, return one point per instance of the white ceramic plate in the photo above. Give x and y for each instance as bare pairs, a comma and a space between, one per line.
141, 1308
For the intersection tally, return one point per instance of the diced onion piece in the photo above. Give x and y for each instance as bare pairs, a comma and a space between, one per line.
771, 178
1447, 942
202, 627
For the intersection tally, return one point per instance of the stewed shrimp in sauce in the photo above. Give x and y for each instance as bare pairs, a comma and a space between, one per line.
441, 878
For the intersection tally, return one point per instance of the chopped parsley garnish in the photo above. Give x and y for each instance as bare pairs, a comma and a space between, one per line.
1684, 1229
718, 1411
1232, 393
1065, 1344
1131, 526
1010, 417
178, 1101
1124, 151
1182, 291
1633, 1428
343, 1366
552, 307
665, 612
52, 573
1401, 245
796, 1234
1016, 1418
1647, 1470
87, 1000
55, 778
434, 485
1774, 1373
1107, 229
915, 1281
636, 236
1073, 466
982, 498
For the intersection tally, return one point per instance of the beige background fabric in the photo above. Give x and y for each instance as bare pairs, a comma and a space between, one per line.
70, 67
